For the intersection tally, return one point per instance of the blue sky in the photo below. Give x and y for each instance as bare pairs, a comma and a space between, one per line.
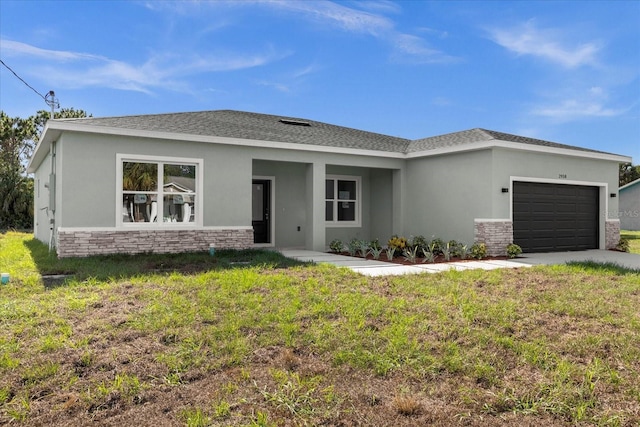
567, 72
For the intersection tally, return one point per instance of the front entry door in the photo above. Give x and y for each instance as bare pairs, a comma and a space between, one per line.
261, 207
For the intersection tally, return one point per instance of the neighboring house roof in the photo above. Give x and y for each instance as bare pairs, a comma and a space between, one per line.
254, 129
629, 185
181, 183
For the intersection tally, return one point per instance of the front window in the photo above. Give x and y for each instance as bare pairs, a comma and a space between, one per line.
342, 200
160, 192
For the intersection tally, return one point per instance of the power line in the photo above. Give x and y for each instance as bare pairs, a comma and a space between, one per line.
22, 80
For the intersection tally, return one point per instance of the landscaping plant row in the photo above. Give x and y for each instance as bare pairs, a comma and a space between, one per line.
414, 248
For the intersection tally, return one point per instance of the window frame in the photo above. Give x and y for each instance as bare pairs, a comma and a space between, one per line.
159, 160
336, 223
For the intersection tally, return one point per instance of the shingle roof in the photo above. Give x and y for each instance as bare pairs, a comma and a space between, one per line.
254, 126
483, 135
266, 127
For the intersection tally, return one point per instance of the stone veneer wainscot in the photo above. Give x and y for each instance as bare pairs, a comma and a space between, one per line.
611, 233
496, 234
82, 243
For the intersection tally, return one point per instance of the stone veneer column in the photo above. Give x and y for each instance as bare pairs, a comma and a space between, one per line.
611, 233
82, 243
496, 234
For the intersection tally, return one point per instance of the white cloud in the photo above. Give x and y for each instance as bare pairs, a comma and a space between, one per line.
549, 44
414, 49
11, 47
573, 109
571, 104
77, 70
408, 48
344, 17
368, 19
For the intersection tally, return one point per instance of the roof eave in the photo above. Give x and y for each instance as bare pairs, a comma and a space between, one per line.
630, 184
54, 129
49, 134
483, 145
53, 132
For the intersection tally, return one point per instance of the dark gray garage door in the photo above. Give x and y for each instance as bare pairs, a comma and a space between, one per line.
555, 217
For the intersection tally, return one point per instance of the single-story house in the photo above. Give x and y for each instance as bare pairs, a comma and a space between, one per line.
629, 206
185, 181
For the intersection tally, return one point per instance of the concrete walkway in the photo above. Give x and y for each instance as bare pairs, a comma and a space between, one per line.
382, 268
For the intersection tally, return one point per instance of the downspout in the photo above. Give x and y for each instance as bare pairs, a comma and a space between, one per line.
52, 196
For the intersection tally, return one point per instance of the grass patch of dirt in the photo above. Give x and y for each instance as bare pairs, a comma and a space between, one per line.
263, 345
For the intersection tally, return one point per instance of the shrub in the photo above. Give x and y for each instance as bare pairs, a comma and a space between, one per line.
375, 251
399, 243
411, 254
420, 242
390, 251
623, 245
375, 244
447, 251
453, 247
336, 246
363, 248
428, 256
353, 246
437, 244
463, 251
478, 250
513, 250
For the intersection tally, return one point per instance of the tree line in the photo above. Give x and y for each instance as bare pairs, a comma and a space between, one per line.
18, 139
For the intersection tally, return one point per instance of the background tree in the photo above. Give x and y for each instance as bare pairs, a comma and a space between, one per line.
18, 139
16, 189
628, 173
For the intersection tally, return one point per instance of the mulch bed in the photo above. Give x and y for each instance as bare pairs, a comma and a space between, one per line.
438, 260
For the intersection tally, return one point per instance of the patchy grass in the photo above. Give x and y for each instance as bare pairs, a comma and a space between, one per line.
634, 240
272, 343
610, 267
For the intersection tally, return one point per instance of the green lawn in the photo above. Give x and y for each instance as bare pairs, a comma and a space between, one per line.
252, 339
634, 240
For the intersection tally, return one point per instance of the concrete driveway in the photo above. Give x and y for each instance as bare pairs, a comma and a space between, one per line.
621, 258
382, 268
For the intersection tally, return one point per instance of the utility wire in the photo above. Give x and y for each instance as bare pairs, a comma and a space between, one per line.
22, 80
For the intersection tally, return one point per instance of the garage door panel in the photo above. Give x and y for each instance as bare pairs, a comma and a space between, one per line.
555, 217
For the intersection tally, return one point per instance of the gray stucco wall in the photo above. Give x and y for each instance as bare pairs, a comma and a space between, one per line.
87, 178
86, 184
438, 196
629, 208
381, 207
41, 200
444, 194
289, 211
552, 168
510, 165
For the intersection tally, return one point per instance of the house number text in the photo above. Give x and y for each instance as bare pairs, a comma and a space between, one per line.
562, 176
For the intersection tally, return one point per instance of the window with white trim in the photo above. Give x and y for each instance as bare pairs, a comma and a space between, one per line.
158, 191
342, 200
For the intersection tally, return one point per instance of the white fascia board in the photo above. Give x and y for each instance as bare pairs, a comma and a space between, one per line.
42, 148
49, 135
76, 127
153, 228
519, 147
